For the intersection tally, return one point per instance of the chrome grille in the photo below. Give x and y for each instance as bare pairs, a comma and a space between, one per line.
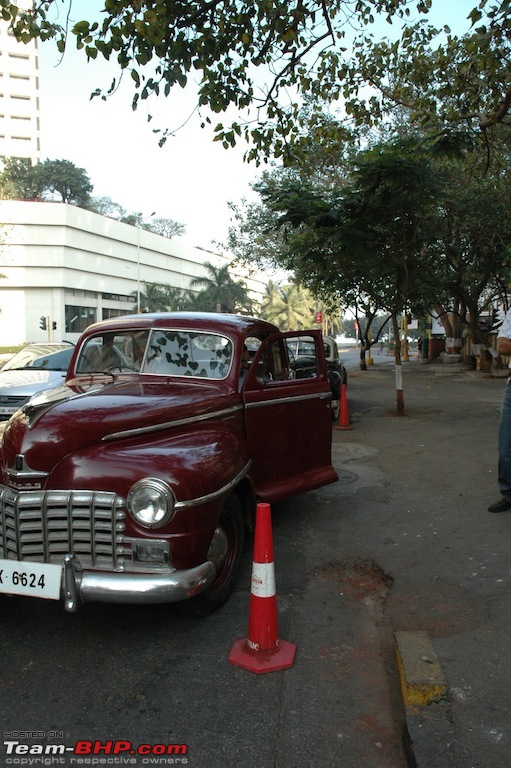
44, 526
9, 404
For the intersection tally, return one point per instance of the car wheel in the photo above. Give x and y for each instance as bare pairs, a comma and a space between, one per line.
232, 530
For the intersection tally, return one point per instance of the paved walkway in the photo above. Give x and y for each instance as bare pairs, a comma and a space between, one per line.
415, 492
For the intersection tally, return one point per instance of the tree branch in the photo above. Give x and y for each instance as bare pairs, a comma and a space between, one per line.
291, 64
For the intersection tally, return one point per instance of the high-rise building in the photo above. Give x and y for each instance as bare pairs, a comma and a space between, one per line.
19, 97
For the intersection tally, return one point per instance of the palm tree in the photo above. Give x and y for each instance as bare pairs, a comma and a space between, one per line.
152, 299
160, 297
220, 293
271, 299
291, 307
175, 298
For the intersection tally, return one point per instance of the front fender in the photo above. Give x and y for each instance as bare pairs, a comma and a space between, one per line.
195, 465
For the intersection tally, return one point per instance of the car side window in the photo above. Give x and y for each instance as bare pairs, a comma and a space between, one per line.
303, 356
263, 374
103, 353
273, 363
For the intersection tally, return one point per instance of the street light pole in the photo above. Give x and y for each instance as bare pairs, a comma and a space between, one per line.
140, 219
138, 267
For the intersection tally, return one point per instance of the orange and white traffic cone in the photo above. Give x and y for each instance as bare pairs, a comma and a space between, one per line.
262, 651
344, 418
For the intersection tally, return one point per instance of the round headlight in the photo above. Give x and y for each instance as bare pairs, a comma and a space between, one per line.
151, 502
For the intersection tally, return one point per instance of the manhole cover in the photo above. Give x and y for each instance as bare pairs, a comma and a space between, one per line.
346, 477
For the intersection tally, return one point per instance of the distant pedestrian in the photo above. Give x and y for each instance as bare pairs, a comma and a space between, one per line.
504, 439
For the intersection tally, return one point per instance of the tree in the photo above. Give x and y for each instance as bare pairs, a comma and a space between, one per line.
255, 238
160, 226
271, 299
471, 254
66, 180
165, 227
290, 307
408, 230
443, 79
20, 180
388, 204
105, 206
366, 238
162, 297
220, 293
253, 55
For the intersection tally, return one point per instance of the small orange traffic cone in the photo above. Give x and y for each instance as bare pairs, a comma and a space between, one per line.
344, 419
262, 651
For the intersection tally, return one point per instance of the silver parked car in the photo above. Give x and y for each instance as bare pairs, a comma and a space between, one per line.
34, 369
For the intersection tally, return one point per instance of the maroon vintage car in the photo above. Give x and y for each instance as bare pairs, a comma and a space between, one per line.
134, 481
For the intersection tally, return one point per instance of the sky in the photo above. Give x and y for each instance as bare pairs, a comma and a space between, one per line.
190, 179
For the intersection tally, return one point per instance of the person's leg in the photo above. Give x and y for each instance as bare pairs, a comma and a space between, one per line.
504, 444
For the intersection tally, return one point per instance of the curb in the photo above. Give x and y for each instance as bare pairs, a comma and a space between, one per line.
428, 733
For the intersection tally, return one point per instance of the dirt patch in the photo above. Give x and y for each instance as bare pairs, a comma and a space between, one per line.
361, 578
440, 610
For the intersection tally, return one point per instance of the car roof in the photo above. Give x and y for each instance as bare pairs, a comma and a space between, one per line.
41, 349
201, 321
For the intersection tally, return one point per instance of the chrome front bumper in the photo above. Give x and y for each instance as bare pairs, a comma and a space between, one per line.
81, 586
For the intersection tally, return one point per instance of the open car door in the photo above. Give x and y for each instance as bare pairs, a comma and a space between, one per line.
288, 417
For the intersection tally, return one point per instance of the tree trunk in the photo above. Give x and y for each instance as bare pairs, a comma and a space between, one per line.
399, 375
451, 324
363, 364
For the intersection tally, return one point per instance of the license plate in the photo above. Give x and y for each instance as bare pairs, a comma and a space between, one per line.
9, 411
32, 579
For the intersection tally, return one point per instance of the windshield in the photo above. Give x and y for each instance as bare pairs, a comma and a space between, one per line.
44, 357
165, 352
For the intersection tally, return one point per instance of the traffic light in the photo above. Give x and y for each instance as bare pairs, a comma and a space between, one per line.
54, 325
42, 323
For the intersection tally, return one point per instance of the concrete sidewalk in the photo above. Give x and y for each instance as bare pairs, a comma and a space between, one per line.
417, 488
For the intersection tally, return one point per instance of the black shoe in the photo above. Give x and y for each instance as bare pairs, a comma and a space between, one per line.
500, 506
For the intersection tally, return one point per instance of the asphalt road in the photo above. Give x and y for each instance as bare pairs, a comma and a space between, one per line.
154, 675
350, 355
151, 675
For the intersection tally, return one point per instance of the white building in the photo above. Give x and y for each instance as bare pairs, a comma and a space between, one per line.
75, 267
19, 97
59, 262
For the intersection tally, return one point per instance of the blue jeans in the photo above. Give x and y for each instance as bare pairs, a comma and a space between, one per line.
505, 445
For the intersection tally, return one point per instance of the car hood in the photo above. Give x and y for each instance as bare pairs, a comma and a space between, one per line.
69, 418
28, 382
